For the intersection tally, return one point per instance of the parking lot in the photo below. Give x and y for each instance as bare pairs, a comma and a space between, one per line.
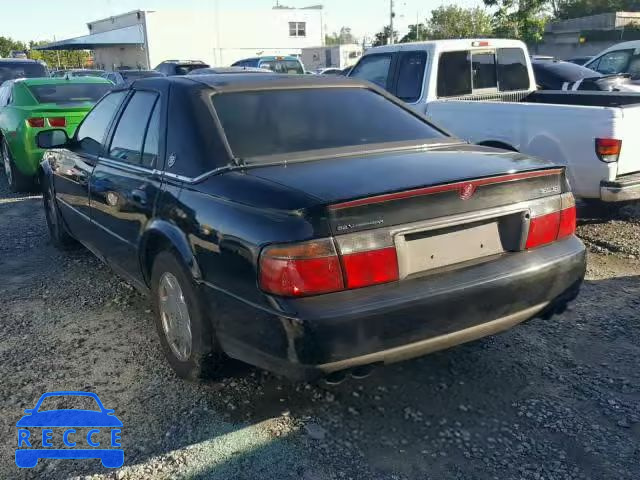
550, 399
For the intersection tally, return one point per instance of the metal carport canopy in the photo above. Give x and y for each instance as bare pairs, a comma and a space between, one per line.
132, 35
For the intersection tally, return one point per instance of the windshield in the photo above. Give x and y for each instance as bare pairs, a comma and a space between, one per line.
9, 71
68, 402
186, 68
69, 92
273, 122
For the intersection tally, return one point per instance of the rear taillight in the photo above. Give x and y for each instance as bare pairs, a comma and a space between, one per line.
316, 267
608, 149
370, 268
548, 228
303, 269
36, 122
57, 121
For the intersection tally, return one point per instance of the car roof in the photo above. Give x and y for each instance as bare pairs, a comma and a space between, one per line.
620, 46
448, 45
19, 60
60, 80
186, 62
250, 81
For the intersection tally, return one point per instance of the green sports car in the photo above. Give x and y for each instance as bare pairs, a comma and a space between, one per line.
29, 105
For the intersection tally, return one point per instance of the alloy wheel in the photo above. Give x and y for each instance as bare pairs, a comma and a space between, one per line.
174, 316
7, 163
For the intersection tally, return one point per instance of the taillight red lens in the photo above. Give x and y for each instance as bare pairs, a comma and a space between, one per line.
370, 268
36, 122
309, 268
608, 149
553, 226
543, 230
57, 121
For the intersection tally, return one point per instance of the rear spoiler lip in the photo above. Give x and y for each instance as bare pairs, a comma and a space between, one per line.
445, 188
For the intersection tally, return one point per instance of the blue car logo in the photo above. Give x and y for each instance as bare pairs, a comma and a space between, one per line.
83, 433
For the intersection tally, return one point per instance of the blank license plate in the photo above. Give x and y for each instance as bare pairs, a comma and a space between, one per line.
428, 250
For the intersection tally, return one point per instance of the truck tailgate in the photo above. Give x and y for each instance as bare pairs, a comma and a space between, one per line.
626, 128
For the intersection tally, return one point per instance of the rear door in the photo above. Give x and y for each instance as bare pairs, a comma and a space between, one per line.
72, 167
125, 182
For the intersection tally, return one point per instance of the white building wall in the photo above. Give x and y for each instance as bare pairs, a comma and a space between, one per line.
120, 21
229, 36
111, 58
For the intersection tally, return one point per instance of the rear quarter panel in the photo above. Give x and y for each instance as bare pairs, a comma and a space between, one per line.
626, 129
562, 134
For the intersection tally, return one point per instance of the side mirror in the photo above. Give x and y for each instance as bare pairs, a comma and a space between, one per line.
56, 138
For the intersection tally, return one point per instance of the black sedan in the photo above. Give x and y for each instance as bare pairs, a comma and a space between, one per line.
309, 225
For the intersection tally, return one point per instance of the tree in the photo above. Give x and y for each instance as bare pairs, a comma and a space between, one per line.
7, 44
382, 38
345, 36
581, 8
522, 19
417, 33
67, 58
457, 22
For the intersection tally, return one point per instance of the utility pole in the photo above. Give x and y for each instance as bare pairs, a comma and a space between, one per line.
391, 15
417, 26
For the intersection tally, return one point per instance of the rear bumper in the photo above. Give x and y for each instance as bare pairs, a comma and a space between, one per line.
622, 189
309, 337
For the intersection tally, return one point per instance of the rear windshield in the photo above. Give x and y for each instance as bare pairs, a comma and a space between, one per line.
272, 122
9, 71
283, 66
185, 68
133, 74
87, 73
70, 92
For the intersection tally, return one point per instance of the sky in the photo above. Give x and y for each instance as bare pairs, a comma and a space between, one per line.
42, 20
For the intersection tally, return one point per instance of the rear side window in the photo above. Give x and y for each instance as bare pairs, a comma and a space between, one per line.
484, 70
410, 76
152, 139
129, 135
373, 68
512, 70
69, 92
273, 122
454, 74
93, 129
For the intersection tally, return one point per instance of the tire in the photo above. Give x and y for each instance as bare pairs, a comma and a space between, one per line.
598, 209
203, 359
18, 182
57, 231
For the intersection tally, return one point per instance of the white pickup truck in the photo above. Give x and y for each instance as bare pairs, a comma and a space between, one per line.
485, 92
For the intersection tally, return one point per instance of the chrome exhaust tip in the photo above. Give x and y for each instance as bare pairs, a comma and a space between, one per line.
335, 378
360, 373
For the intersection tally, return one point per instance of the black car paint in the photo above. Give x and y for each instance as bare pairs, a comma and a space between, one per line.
219, 222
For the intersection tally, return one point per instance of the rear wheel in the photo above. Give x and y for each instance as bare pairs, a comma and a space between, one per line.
59, 235
183, 326
18, 182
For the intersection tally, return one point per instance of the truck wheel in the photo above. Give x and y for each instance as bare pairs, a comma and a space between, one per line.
57, 231
18, 182
184, 328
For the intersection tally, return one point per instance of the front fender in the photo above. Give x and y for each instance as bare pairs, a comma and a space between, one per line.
168, 235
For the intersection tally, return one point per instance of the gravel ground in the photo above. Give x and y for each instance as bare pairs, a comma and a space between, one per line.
556, 399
